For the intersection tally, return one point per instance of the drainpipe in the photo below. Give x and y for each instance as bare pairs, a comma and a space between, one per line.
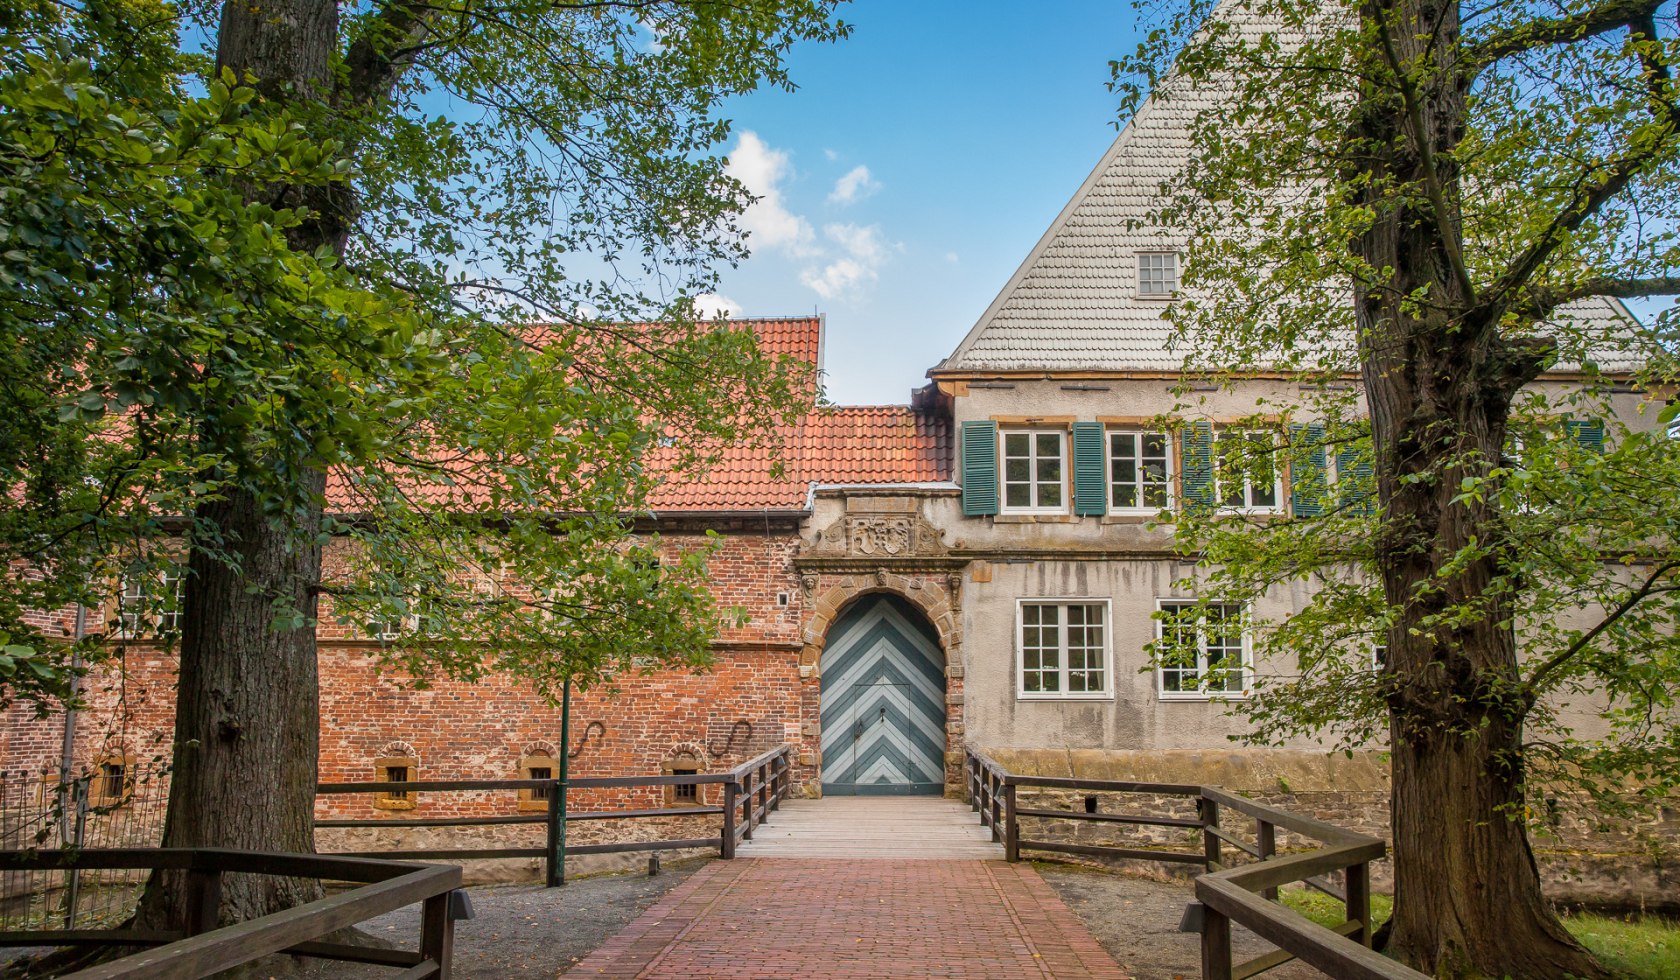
68, 756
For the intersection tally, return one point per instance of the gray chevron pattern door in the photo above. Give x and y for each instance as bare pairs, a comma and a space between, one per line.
883, 702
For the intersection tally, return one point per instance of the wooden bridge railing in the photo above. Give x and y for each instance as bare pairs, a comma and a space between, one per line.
750, 792
203, 949
1242, 893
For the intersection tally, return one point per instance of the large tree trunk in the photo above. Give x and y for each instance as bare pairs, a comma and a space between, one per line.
246, 720
1439, 380
247, 706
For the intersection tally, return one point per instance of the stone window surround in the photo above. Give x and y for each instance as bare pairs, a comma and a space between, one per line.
1247, 655
1107, 626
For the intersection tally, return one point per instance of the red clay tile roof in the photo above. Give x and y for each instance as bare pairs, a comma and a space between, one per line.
852, 444
865, 444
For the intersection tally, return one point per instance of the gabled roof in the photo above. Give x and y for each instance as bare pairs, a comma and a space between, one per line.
1073, 305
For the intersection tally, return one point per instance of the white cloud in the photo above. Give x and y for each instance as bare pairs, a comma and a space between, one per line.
767, 220
865, 254
710, 305
855, 185
951, 257
830, 154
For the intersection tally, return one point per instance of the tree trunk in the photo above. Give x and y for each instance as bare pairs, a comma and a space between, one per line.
247, 728
1439, 382
246, 723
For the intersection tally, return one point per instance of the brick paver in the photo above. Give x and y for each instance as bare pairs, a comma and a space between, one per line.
764, 918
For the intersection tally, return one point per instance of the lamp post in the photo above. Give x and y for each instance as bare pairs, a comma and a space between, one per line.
557, 799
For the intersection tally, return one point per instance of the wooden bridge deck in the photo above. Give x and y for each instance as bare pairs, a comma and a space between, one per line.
893, 828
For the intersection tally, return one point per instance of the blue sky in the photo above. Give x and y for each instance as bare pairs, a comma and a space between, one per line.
914, 168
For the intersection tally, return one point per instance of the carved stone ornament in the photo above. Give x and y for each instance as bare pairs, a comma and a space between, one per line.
809, 584
880, 536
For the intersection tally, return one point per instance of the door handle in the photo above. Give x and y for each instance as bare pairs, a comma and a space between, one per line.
883, 713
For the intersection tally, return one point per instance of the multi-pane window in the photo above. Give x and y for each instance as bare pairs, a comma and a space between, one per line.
150, 601
396, 769
1139, 470
1201, 651
1034, 478
1157, 274
1064, 648
1246, 470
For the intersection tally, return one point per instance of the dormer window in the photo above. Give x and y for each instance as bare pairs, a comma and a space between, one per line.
1157, 275
1034, 476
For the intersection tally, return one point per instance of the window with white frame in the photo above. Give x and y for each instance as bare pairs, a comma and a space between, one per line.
1202, 651
1157, 274
1139, 470
1034, 477
149, 602
1064, 648
1246, 473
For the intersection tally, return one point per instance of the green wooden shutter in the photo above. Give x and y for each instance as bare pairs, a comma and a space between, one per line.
1090, 470
979, 468
1587, 433
1307, 470
1196, 463
1355, 482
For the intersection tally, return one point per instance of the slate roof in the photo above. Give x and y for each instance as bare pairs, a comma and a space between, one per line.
1072, 304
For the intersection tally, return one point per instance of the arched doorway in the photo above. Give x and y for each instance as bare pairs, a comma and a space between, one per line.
883, 701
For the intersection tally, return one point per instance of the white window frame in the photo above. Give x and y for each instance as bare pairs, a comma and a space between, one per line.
1145, 289
1246, 654
1248, 506
1171, 474
1107, 649
135, 590
1032, 433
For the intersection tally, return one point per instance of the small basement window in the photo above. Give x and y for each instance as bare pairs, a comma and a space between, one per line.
112, 783
683, 794
537, 767
396, 769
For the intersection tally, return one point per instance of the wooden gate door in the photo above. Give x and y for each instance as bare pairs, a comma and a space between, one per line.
883, 702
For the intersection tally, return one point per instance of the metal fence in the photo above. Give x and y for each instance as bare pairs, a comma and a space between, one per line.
115, 806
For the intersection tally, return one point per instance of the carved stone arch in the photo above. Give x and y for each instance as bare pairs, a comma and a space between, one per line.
694, 750
539, 747
398, 749
929, 596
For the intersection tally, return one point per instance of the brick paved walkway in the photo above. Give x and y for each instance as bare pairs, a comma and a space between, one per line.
789, 917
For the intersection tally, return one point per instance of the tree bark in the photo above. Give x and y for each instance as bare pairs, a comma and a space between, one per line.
1439, 382
247, 727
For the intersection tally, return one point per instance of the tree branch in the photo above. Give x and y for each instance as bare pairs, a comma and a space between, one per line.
1518, 39
1542, 302
1562, 657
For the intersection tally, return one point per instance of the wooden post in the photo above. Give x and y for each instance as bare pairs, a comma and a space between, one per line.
1359, 902
437, 934
204, 900
1011, 829
555, 853
1216, 945
726, 848
1210, 843
994, 798
749, 813
1266, 834
764, 793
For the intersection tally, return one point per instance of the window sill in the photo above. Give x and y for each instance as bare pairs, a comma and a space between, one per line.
1021, 696
1044, 518
1134, 517
394, 804
1200, 698
533, 806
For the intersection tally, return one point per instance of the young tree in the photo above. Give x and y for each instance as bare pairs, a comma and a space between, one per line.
454, 172
1442, 204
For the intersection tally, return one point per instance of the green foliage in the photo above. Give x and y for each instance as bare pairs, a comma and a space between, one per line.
519, 182
1564, 188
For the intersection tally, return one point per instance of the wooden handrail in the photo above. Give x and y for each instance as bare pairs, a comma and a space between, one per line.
1245, 894
385, 886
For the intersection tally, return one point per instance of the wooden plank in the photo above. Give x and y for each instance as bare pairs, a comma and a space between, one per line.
1292, 822
627, 782
1310, 942
431, 786
671, 811
1109, 818
629, 847
101, 858
1278, 957
1232, 840
346, 953
233, 945
1104, 785
434, 821
1096, 850
423, 970
1287, 870
79, 937
330, 867
447, 854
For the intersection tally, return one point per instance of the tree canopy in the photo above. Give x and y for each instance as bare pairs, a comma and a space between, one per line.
1425, 215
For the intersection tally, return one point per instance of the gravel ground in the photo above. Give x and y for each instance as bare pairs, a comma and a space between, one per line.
1135, 917
523, 931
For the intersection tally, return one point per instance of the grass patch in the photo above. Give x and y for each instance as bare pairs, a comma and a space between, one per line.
1638, 948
